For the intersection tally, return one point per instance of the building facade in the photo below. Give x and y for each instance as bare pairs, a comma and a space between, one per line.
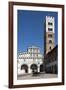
49, 34
51, 61
29, 60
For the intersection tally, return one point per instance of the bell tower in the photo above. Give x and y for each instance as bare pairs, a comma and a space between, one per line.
49, 38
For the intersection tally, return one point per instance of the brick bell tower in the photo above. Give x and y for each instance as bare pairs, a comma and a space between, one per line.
49, 37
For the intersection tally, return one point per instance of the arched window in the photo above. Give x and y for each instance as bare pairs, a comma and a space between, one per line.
50, 47
50, 23
50, 41
50, 29
50, 35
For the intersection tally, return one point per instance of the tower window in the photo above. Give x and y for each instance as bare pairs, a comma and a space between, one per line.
50, 35
49, 29
49, 23
50, 48
50, 41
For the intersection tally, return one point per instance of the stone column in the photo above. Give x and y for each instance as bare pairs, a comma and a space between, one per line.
29, 70
38, 68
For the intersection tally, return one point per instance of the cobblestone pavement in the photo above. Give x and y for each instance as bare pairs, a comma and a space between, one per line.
38, 76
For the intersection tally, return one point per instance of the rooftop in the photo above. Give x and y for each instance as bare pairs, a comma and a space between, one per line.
33, 47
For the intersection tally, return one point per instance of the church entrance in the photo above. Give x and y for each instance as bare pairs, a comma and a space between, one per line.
34, 68
24, 68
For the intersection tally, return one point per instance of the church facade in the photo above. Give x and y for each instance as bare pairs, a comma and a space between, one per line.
30, 59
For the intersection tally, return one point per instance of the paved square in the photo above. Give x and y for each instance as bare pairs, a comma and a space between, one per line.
38, 76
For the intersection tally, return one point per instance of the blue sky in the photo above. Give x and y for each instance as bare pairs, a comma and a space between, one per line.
31, 29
